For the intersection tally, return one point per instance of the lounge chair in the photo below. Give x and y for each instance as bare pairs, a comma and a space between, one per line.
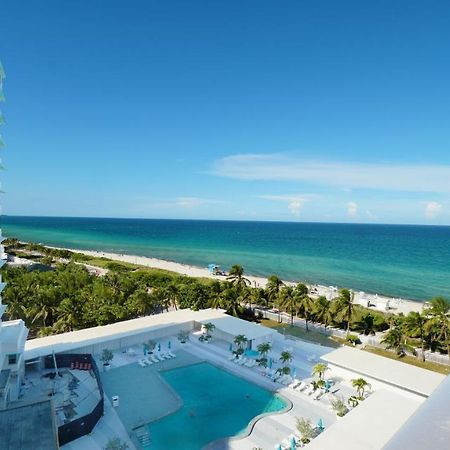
300, 387
148, 361
242, 361
172, 354
287, 380
309, 389
317, 395
142, 363
154, 358
295, 382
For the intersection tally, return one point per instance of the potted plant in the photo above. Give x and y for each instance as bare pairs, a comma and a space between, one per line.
306, 430
107, 357
339, 407
183, 336
116, 444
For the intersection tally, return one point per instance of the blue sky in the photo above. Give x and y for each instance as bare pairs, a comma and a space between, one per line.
296, 110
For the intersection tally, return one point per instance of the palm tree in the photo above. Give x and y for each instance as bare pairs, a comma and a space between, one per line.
208, 328
414, 325
394, 339
322, 310
288, 301
286, 357
273, 287
240, 340
69, 315
264, 349
319, 370
439, 312
236, 276
360, 384
230, 300
260, 298
305, 303
173, 294
345, 306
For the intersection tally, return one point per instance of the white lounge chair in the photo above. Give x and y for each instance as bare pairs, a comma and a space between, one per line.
141, 362
295, 382
171, 354
148, 361
154, 358
242, 361
301, 387
317, 395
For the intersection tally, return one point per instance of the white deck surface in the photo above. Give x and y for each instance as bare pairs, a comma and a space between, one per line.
370, 425
90, 336
233, 326
395, 373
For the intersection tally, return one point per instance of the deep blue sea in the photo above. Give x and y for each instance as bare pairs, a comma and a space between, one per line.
398, 260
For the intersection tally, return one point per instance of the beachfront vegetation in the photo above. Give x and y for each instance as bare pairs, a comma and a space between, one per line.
360, 384
71, 296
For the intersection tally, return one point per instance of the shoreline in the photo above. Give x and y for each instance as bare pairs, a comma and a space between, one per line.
377, 302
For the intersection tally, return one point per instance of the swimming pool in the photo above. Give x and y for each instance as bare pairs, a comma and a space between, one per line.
216, 404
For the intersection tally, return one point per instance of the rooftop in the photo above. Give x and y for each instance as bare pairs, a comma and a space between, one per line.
69, 341
233, 326
370, 425
395, 373
28, 427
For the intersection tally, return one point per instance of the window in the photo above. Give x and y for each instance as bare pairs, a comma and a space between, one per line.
12, 359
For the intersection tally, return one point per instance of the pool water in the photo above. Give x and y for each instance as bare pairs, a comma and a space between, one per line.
216, 404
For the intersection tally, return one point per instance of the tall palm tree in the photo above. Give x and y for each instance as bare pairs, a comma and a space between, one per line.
395, 339
264, 348
173, 294
322, 310
260, 298
236, 277
439, 313
414, 326
288, 301
69, 315
273, 287
360, 384
304, 302
345, 306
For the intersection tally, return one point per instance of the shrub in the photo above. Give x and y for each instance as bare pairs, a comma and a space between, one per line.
353, 339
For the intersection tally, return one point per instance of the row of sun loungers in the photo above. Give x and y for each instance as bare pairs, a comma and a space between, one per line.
241, 361
154, 358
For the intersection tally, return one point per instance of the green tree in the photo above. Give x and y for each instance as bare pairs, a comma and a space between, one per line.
438, 313
395, 339
319, 370
288, 301
360, 384
345, 307
322, 310
414, 326
236, 277
273, 287
305, 303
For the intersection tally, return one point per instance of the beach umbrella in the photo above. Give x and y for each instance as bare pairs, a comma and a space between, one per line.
231, 347
279, 447
270, 363
169, 345
294, 372
320, 424
159, 347
293, 443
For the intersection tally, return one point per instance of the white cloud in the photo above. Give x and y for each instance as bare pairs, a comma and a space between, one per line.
295, 203
396, 177
432, 210
352, 209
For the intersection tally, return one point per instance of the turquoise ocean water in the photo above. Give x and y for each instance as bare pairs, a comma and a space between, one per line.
403, 261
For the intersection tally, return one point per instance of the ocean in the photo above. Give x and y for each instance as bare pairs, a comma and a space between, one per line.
404, 261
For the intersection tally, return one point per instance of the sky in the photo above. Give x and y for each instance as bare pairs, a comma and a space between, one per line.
300, 110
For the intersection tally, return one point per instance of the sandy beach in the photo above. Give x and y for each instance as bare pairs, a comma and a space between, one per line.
377, 302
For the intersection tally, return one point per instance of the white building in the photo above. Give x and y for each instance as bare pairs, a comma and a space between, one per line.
13, 333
